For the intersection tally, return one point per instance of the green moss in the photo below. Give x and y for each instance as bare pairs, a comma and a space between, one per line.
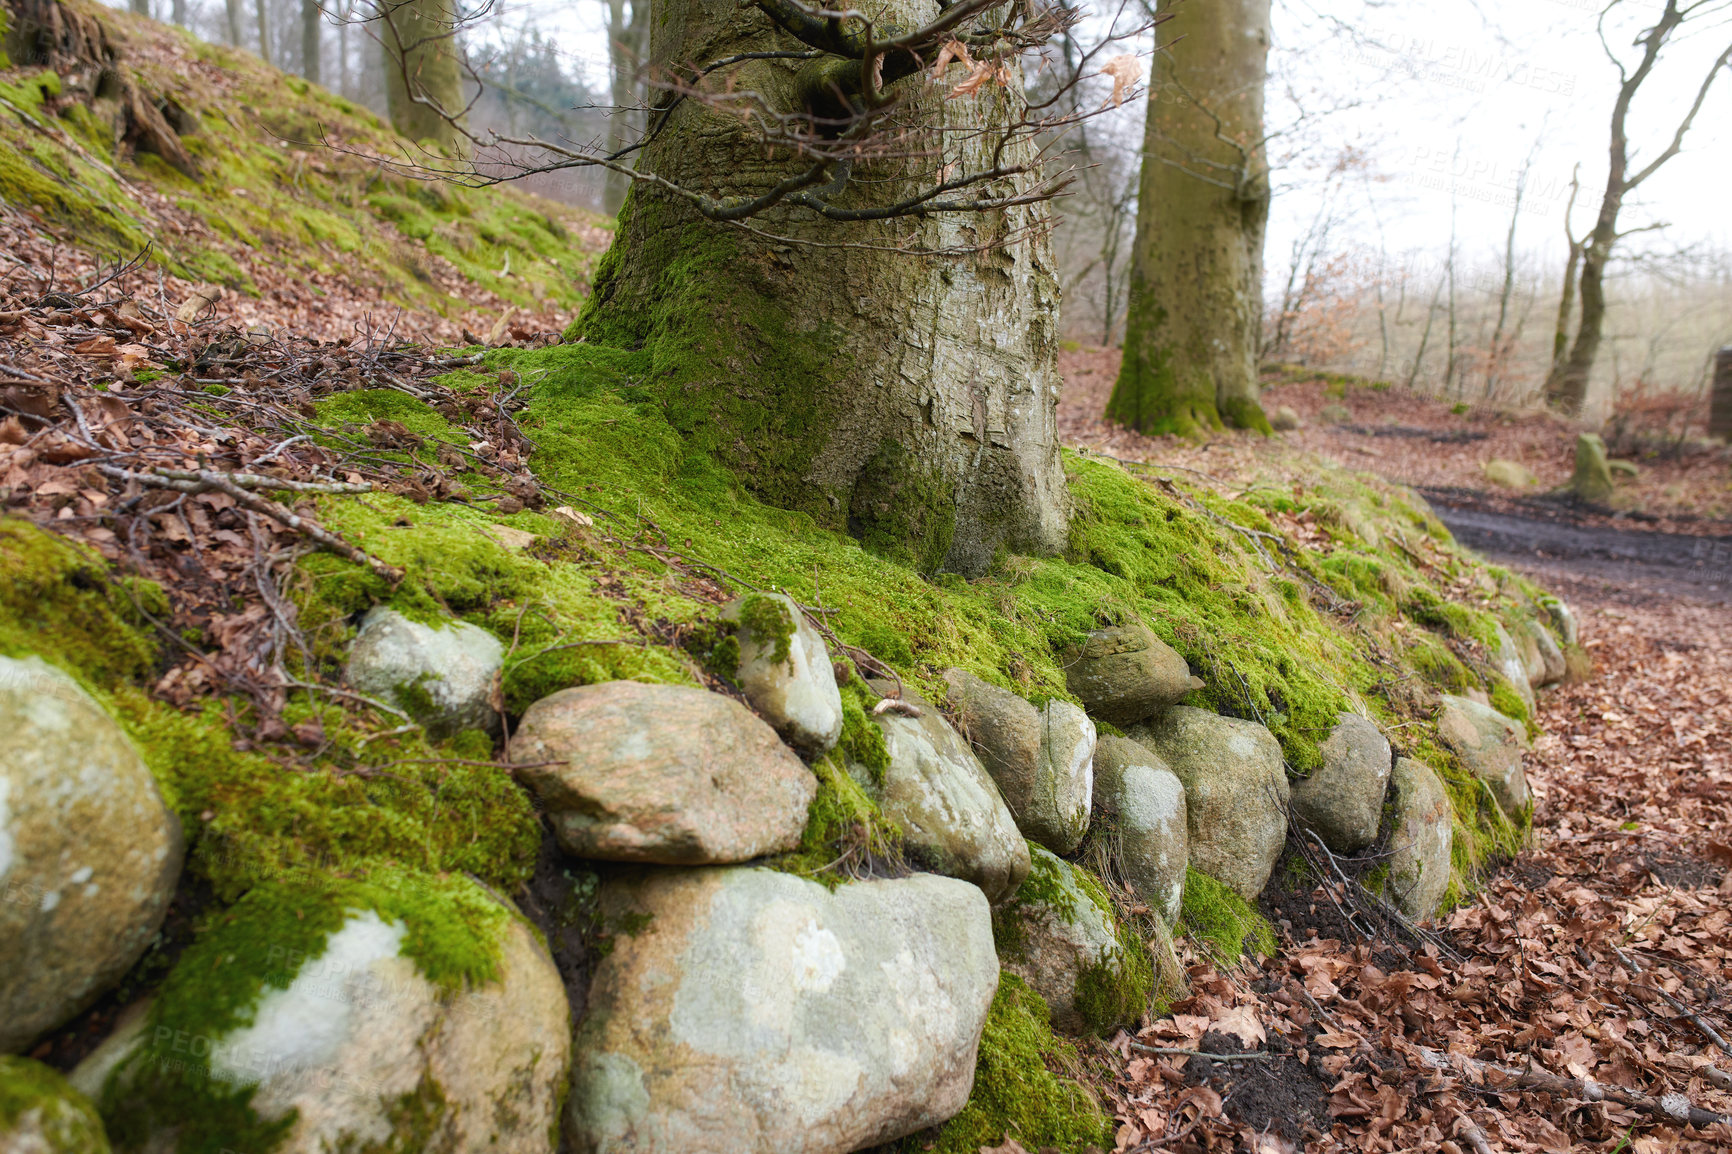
454, 932
862, 741
1507, 701
1459, 621
1433, 661
1222, 921
770, 624
845, 830
65, 1119
1027, 1086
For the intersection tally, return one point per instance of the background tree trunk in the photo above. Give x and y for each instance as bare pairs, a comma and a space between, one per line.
263, 13
312, 21
419, 44
910, 400
140, 7
1196, 296
232, 9
625, 44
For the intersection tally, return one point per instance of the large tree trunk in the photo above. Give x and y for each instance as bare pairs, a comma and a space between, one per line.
625, 42
911, 400
1196, 303
423, 77
311, 21
232, 10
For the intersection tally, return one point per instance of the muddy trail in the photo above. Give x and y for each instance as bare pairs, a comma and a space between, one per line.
1549, 540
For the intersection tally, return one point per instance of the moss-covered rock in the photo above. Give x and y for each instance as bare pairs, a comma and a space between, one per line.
41, 1112
1222, 921
784, 668
1061, 935
89, 854
347, 1014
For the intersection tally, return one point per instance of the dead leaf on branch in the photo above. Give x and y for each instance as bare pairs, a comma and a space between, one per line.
1126, 71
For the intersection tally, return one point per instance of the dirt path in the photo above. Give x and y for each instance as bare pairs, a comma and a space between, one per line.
1634, 565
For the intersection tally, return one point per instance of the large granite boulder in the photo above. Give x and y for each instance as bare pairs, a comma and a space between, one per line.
42, 1113
1125, 674
368, 1043
785, 670
1343, 798
1060, 935
952, 818
89, 854
753, 1011
661, 773
1236, 792
442, 676
1490, 746
1041, 759
1142, 802
1419, 841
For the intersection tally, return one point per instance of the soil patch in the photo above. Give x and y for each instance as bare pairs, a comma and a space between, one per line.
1277, 1095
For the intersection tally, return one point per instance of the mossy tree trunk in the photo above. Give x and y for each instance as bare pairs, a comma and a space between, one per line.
908, 399
1196, 303
423, 76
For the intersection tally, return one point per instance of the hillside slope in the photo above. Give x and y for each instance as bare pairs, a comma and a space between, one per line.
121, 138
198, 532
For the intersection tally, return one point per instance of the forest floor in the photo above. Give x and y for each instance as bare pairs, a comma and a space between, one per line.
1583, 998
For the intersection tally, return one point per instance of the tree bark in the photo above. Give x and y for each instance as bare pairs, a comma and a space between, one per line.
263, 14
423, 76
625, 44
312, 22
910, 400
1196, 303
232, 9
140, 7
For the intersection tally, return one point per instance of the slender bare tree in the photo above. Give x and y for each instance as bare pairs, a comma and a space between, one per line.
1567, 386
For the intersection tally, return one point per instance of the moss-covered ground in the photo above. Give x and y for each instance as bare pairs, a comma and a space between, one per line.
265, 183
1291, 602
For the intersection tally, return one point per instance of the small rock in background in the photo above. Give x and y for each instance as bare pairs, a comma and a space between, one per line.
785, 670
41, 1112
1142, 801
1563, 619
1490, 746
1419, 841
661, 773
1125, 674
1060, 935
755, 1012
953, 820
1509, 475
1236, 792
1343, 798
89, 854
1545, 661
441, 676
362, 1050
1513, 666
1284, 419
1592, 480
1041, 760
1335, 414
